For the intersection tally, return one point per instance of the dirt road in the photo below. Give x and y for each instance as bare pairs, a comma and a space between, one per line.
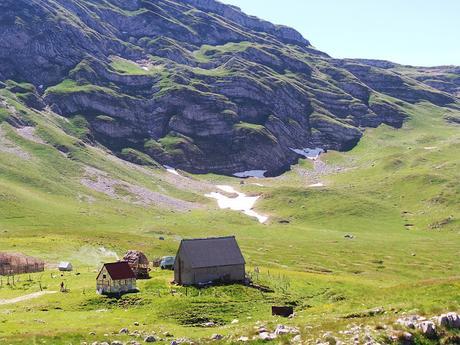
25, 297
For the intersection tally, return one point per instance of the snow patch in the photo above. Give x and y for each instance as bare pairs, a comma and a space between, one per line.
240, 202
171, 170
312, 154
429, 148
316, 185
251, 173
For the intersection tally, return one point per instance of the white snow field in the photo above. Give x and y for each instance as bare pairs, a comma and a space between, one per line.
241, 202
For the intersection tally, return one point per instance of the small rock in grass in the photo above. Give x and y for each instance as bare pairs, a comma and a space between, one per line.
243, 339
116, 342
136, 323
124, 331
150, 339
92, 333
261, 329
297, 339
265, 336
235, 321
428, 329
408, 337
217, 337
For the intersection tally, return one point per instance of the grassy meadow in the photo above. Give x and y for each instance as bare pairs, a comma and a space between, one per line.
397, 194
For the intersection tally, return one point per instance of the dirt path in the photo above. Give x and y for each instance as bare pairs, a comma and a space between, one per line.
25, 297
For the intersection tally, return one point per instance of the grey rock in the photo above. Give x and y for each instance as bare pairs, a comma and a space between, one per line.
217, 337
428, 328
150, 339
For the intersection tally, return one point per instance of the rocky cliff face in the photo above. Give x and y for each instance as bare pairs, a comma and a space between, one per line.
199, 85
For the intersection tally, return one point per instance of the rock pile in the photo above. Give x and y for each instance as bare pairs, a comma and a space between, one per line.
263, 333
430, 327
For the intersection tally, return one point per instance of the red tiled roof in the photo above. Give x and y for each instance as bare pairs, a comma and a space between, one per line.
120, 270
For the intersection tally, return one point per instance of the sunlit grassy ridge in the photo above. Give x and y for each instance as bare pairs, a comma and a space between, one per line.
397, 193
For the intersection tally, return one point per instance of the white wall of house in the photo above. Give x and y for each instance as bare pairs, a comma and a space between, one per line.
106, 285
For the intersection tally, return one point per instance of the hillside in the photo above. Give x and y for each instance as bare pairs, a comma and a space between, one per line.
199, 85
97, 96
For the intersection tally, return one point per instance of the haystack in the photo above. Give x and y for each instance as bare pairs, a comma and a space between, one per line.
16, 263
138, 262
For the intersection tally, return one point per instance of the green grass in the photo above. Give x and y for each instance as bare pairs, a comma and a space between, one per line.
128, 67
4, 114
391, 179
71, 86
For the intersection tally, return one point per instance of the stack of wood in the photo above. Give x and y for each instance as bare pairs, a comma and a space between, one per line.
16, 263
139, 263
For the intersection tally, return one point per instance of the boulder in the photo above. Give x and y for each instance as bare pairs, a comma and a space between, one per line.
150, 339
297, 339
428, 329
266, 336
281, 330
449, 320
407, 338
217, 337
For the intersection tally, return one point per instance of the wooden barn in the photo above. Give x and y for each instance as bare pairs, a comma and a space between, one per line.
116, 278
202, 261
138, 262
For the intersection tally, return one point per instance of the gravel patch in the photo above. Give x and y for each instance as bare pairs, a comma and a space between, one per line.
101, 182
7, 146
28, 133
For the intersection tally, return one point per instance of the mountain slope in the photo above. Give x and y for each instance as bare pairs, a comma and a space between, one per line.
87, 115
197, 84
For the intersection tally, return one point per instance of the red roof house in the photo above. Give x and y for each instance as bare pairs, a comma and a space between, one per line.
116, 278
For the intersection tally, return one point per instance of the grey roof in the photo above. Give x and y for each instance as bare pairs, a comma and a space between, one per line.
211, 252
64, 264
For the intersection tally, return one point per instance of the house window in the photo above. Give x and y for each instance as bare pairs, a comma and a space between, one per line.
104, 276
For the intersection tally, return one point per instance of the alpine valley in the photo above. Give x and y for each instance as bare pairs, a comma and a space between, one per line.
122, 122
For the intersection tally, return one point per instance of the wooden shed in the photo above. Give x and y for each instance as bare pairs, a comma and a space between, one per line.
138, 262
116, 278
65, 266
207, 260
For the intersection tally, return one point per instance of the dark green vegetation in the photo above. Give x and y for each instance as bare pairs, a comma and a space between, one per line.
257, 91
